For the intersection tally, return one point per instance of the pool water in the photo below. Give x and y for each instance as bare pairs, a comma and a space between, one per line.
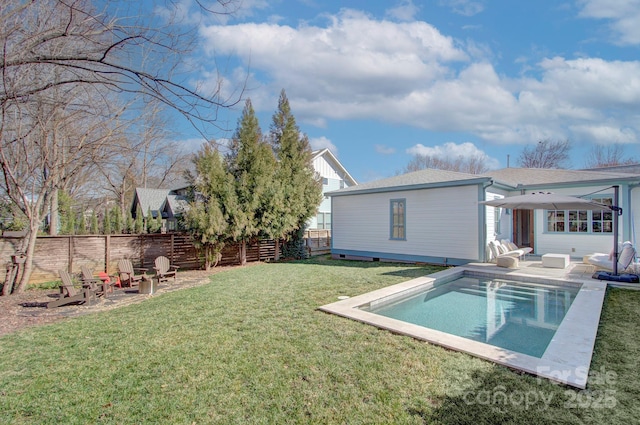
516, 316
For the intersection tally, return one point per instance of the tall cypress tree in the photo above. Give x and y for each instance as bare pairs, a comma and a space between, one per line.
95, 229
139, 222
301, 186
250, 161
106, 222
117, 219
212, 201
82, 225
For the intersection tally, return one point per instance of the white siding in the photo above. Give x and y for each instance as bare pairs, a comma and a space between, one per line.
440, 222
334, 181
506, 226
574, 244
325, 169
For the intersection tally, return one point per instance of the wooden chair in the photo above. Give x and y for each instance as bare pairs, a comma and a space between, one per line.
164, 270
70, 294
128, 275
96, 284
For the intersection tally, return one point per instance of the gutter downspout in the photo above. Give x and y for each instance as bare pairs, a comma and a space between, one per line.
483, 218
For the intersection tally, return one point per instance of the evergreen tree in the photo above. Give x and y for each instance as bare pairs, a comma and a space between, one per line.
152, 222
82, 224
301, 186
117, 219
250, 161
129, 225
212, 201
66, 214
94, 223
106, 223
139, 223
159, 222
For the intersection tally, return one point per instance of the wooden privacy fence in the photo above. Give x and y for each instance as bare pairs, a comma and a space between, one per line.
102, 252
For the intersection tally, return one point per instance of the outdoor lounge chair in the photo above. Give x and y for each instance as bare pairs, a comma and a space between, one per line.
498, 250
96, 284
70, 294
128, 275
164, 270
605, 261
513, 247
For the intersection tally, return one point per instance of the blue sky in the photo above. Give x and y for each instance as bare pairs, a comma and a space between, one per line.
380, 81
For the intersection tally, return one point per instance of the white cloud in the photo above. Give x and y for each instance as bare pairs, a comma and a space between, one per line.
409, 73
333, 68
605, 134
623, 16
385, 150
318, 143
452, 150
464, 7
404, 11
191, 145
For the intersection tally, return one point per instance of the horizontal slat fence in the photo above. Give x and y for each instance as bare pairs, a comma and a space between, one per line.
99, 252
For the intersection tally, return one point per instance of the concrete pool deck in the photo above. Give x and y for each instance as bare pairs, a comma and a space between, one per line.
567, 358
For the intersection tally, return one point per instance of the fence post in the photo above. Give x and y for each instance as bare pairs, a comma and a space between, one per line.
172, 261
70, 258
107, 252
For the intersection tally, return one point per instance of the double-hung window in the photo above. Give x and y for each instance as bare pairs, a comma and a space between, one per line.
398, 219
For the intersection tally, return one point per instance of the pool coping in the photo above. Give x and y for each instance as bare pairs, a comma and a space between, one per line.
567, 358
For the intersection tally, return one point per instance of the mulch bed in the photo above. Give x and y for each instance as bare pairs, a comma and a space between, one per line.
29, 308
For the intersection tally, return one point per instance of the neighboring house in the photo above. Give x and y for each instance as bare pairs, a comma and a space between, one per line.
334, 177
169, 203
435, 216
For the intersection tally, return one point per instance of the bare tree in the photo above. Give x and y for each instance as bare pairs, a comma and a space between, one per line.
146, 156
45, 144
545, 154
81, 45
61, 61
470, 165
607, 156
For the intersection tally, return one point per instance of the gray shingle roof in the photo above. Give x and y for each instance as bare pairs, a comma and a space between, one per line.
151, 199
178, 204
415, 180
545, 176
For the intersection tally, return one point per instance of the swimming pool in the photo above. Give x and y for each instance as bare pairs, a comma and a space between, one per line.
571, 312
517, 316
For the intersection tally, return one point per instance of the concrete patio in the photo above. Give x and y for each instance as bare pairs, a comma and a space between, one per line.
532, 266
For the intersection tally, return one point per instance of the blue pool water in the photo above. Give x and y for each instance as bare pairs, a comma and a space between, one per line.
517, 316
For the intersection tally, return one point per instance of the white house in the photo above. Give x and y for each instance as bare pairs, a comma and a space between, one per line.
435, 216
334, 176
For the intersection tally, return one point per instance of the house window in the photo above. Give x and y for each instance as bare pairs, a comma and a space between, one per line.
581, 221
342, 186
325, 181
602, 221
555, 221
398, 219
323, 221
496, 221
578, 222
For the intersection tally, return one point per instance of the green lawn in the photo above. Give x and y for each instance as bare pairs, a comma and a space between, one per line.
251, 347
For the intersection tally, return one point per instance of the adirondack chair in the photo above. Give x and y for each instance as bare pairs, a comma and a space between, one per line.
128, 275
70, 294
164, 270
96, 284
